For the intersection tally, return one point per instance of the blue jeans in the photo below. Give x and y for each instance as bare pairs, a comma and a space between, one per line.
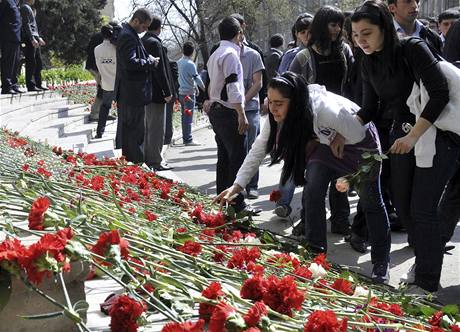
428, 186
187, 120
318, 177
287, 192
253, 117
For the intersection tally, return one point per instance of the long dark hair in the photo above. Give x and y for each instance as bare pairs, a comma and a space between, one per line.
377, 13
319, 30
296, 130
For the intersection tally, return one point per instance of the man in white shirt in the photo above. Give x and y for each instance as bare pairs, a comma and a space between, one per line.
106, 62
226, 114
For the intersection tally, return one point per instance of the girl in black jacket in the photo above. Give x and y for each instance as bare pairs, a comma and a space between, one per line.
390, 69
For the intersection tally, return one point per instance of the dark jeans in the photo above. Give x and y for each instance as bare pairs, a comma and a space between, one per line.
358, 225
428, 186
107, 98
9, 65
33, 65
231, 148
318, 177
340, 207
168, 122
449, 207
133, 131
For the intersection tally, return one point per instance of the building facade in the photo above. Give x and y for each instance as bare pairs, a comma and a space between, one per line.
432, 8
109, 9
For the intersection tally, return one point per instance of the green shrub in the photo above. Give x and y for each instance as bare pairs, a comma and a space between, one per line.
72, 73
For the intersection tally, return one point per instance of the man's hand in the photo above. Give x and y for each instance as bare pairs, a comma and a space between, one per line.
154, 60
41, 41
35, 43
337, 145
243, 123
207, 106
227, 196
404, 144
168, 99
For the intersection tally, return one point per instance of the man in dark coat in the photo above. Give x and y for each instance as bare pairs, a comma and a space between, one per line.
10, 41
133, 86
32, 42
163, 86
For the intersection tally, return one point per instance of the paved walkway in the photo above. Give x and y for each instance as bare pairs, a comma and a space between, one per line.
196, 167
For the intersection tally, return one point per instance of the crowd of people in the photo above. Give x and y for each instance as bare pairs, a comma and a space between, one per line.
372, 80
20, 35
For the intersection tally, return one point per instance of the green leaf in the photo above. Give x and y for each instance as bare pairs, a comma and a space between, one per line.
5, 288
451, 309
231, 212
182, 238
427, 311
365, 168
43, 316
81, 306
267, 238
366, 155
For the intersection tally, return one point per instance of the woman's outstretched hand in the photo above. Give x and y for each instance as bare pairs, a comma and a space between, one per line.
404, 144
227, 195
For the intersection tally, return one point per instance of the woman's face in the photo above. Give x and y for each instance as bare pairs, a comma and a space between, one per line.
303, 36
369, 37
334, 30
277, 104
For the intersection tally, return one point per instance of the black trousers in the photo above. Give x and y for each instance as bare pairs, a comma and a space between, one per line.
9, 65
34, 65
168, 122
231, 148
133, 132
449, 207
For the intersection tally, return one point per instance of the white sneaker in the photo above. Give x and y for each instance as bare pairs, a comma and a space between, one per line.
283, 211
409, 277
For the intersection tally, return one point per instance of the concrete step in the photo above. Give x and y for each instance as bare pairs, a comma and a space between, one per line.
55, 128
26, 109
27, 97
20, 122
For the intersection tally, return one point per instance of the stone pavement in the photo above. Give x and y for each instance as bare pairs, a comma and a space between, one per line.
196, 167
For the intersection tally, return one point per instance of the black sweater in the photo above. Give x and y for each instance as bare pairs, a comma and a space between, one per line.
414, 62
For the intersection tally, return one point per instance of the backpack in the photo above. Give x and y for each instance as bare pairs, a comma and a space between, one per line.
448, 120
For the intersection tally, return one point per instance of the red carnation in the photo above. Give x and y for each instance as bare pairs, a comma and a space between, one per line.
321, 260
190, 247
97, 182
436, 319
283, 259
325, 321
213, 291
37, 213
221, 314
188, 112
254, 288
255, 313
303, 272
150, 216
283, 295
454, 328
436, 329
11, 249
187, 98
108, 239
343, 286
184, 327
275, 196
124, 314
252, 329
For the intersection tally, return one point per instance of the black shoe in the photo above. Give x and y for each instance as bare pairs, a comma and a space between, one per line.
341, 228
42, 88
9, 92
98, 136
358, 244
111, 117
381, 273
395, 224
93, 119
18, 90
160, 168
249, 210
299, 229
34, 89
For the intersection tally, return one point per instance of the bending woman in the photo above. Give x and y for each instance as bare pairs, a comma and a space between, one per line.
304, 130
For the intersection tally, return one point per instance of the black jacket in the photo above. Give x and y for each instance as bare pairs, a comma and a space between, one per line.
133, 85
29, 24
95, 40
10, 21
162, 83
432, 39
452, 45
272, 62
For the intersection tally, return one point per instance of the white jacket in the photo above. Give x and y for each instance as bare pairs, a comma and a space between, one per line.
106, 62
449, 119
332, 114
